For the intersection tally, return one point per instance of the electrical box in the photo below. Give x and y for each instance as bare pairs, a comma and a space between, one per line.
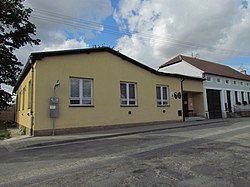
54, 107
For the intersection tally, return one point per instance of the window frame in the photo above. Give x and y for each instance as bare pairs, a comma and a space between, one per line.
218, 80
29, 94
241, 83
209, 79
162, 100
80, 90
127, 99
24, 99
227, 83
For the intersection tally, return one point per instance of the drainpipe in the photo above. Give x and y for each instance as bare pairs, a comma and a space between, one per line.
182, 99
31, 98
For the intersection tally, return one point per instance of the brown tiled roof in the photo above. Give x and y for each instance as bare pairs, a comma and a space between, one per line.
208, 67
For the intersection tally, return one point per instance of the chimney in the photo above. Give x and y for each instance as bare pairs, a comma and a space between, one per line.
244, 72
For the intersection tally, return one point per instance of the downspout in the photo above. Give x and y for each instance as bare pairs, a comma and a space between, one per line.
31, 98
182, 99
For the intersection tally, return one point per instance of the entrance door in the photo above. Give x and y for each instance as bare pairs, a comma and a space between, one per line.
185, 105
229, 101
214, 104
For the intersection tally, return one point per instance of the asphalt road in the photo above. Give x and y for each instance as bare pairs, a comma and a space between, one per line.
210, 155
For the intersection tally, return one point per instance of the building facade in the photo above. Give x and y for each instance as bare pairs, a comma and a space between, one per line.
225, 90
99, 87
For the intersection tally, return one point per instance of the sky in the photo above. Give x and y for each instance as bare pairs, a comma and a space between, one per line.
150, 31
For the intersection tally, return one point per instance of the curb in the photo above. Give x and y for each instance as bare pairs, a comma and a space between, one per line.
115, 135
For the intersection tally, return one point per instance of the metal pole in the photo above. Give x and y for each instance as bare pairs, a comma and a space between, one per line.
182, 99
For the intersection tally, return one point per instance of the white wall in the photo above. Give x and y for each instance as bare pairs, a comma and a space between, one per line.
187, 69
223, 87
183, 68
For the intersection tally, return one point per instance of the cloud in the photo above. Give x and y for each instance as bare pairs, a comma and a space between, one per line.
65, 24
215, 30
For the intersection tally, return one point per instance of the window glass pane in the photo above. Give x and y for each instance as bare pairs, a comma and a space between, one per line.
74, 88
158, 92
164, 92
123, 102
86, 101
73, 101
86, 88
132, 102
131, 91
123, 90
165, 102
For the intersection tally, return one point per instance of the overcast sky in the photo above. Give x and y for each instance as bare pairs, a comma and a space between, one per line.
150, 31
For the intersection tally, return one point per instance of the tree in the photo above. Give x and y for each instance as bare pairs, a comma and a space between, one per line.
15, 31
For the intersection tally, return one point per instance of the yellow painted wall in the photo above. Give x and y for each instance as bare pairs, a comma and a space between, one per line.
194, 88
107, 71
192, 85
198, 104
23, 114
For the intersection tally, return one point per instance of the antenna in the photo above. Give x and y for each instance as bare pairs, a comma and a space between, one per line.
242, 67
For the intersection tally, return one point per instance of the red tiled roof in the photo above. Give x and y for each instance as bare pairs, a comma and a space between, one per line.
208, 67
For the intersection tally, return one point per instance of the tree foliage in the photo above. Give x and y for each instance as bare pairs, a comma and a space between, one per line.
15, 31
4, 100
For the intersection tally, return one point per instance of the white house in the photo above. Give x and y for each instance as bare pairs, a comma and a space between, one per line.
226, 91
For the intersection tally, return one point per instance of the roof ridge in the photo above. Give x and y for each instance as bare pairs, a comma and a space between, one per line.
208, 67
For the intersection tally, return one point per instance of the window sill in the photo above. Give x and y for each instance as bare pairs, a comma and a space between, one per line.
128, 105
81, 106
163, 105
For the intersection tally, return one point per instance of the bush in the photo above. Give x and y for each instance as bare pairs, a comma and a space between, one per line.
4, 134
244, 103
22, 130
238, 103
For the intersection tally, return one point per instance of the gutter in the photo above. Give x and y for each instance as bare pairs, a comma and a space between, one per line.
182, 99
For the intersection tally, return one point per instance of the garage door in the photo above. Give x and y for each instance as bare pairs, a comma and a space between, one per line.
214, 104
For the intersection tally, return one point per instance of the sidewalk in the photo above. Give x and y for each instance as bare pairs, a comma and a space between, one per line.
26, 142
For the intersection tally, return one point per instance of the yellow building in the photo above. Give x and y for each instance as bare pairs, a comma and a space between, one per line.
71, 90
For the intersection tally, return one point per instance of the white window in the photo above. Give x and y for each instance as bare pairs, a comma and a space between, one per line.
162, 95
128, 94
209, 79
227, 81
218, 80
81, 92
235, 82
